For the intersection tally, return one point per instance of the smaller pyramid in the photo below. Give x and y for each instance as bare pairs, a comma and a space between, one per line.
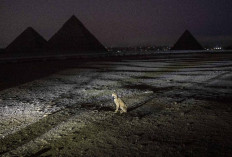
28, 41
74, 37
187, 42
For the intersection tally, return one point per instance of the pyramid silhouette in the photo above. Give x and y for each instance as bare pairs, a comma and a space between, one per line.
28, 41
74, 37
187, 42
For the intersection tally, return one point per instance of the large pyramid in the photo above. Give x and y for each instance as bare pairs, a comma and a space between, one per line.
187, 42
28, 41
74, 37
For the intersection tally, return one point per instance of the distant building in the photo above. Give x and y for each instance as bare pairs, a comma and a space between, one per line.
28, 41
187, 42
73, 37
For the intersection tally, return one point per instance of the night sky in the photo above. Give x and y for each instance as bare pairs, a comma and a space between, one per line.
122, 22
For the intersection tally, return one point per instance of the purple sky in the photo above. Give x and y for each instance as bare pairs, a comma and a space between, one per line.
122, 22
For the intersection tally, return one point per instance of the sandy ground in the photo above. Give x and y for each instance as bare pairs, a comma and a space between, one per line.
178, 105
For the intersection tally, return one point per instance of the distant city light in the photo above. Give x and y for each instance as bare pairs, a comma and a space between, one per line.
217, 48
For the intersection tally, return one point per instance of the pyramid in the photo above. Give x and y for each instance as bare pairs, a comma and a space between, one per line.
28, 41
187, 42
74, 37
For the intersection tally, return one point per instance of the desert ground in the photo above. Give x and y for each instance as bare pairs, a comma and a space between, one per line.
178, 105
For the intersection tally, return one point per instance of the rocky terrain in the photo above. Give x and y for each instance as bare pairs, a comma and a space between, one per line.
178, 105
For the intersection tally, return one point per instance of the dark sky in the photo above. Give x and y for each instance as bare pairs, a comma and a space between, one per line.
122, 22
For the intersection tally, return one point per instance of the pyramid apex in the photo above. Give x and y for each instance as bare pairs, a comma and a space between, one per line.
73, 20
187, 31
73, 17
29, 28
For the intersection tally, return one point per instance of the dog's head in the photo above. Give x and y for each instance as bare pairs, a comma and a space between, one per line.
114, 95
